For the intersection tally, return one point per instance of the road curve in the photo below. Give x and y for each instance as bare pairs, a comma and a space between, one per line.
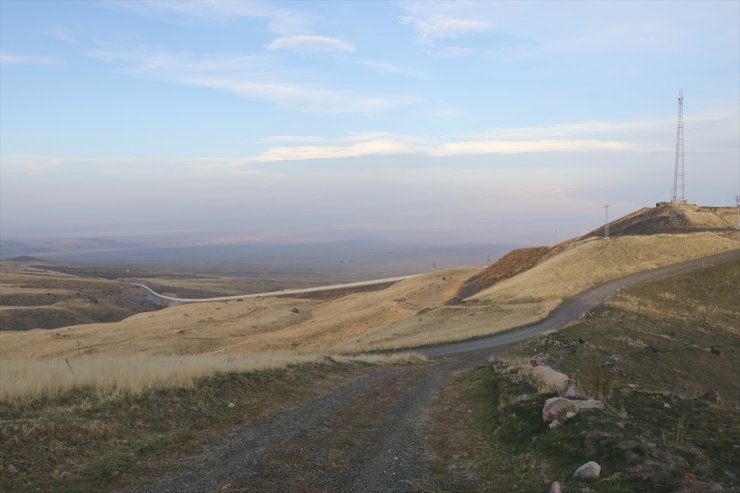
573, 308
284, 292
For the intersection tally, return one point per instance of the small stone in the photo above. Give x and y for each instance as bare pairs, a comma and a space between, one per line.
572, 391
589, 470
620, 424
65, 475
519, 398
554, 425
555, 487
12, 469
666, 405
231, 405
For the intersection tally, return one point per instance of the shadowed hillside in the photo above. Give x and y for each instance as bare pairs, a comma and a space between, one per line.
671, 219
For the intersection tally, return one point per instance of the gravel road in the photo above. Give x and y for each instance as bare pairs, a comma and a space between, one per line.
365, 437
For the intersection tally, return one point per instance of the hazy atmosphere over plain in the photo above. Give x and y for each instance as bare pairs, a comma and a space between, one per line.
450, 122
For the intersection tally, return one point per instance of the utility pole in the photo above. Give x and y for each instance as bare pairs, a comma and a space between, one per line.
433, 301
737, 205
606, 222
678, 174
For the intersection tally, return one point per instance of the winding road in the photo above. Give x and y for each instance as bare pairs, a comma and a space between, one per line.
284, 292
376, 423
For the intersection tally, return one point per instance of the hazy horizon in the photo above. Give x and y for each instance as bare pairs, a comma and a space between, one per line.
440, 123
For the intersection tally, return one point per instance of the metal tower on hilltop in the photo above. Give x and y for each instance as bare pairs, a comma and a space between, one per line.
678, 182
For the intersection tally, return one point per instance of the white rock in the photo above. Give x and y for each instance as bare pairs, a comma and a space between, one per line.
589, 470
572, 391
555, 487
666, 405
557, 407
549, 378
231, 405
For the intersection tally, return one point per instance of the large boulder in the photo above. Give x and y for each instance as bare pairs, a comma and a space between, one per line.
563, 409
589, 470
558, 408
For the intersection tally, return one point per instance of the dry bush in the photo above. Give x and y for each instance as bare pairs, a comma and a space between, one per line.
598, 382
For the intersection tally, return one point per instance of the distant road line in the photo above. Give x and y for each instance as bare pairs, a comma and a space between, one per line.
284, 292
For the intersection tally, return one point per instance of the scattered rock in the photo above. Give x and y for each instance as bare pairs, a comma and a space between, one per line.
666, 405
295, 310
572, 391
563, 409
65, 475
519, 398
620, 424
231, 405
12, 469
589, 470
558, 407
554, 424
590, 404
715, 351
713, 395
555, 487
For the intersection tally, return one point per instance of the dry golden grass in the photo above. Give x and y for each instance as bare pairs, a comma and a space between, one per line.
249, 326
594, 261
395, 317
26, 380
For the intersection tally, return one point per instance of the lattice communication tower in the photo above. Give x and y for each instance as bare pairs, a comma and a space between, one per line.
678, 176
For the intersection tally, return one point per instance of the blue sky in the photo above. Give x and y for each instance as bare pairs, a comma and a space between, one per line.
463, 121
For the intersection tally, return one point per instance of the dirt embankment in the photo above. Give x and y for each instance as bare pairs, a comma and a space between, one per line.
511, 264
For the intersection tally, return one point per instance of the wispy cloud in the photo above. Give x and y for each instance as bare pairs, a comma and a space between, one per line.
310, 44
12, 59
438, 28
280, 20
252, 77
519, 141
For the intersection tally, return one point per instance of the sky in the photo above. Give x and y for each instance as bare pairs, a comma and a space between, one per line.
441, 122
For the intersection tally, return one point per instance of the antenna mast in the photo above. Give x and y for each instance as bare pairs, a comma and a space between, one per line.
678, 178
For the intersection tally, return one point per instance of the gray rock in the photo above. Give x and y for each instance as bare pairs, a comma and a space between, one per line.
572, 391
12, 469
554, 424
563, 409
231, 405
520, 398
666, 405
589, 470
555, 487
558, 407
590, 404
65, 475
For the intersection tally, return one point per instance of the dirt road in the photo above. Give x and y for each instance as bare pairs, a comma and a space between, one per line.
368, 436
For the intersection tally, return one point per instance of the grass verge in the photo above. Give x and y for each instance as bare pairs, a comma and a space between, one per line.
88, 440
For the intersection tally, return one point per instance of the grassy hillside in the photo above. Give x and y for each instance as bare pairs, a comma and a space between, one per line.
648, 354
33, 298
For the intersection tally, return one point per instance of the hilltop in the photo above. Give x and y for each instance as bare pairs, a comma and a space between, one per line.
453, 304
